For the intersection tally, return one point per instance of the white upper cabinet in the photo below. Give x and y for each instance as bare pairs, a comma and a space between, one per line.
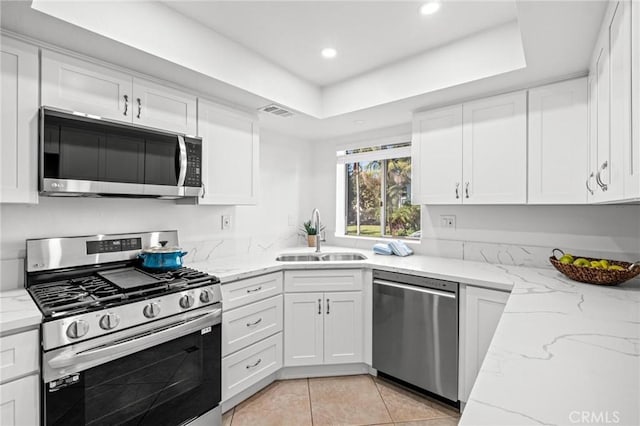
474, 153
558, 143
494, 153
76, 85
436, 151
610, 110
230, 155
19, 125
162, 107
632, 164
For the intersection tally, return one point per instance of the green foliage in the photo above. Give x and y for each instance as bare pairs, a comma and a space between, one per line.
308, 228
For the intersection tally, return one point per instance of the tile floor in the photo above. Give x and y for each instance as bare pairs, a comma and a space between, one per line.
347, 400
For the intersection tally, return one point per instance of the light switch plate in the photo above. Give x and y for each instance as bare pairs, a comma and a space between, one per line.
226, 221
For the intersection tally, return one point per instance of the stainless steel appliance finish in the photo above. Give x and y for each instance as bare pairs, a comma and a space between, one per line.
415, 331
122, 345
86, 155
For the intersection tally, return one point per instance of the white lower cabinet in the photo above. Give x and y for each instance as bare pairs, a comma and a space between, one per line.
251, 332
323, 328
19, 404
250, 365
480, 313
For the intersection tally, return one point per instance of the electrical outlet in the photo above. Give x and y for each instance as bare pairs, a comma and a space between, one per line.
448, 221
226, 221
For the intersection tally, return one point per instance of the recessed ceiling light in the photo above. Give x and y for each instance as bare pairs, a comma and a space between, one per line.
429, 8
329, 52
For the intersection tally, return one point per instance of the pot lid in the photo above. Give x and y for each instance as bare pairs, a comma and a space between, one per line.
162, 248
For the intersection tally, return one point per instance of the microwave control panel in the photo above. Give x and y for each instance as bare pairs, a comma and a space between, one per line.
194, 163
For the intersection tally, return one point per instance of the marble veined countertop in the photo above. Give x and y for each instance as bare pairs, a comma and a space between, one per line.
17, 311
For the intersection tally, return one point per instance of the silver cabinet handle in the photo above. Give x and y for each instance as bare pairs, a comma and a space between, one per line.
204, 191
457, 186
126, 104
255, 364
466, 189
327, 306
139, 107
182, 146
254, 289
603, 185
587, 183
319, 306
256, 322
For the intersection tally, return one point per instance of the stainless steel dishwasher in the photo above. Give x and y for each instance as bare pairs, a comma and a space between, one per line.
415, 331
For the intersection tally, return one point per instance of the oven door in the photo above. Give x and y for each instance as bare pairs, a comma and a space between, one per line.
168, 374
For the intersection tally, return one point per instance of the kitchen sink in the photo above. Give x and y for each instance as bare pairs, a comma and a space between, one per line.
317, 257
298, 258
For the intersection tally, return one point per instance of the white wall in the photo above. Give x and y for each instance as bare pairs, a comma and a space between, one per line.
521, 235
273, 222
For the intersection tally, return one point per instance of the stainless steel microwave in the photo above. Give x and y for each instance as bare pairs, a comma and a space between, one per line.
83, 155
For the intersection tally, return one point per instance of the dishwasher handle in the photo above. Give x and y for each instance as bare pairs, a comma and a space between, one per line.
416, 288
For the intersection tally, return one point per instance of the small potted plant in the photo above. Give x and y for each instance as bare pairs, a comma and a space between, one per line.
310, 231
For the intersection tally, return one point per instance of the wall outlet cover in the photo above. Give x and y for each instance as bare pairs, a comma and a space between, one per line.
226, 221
448, 221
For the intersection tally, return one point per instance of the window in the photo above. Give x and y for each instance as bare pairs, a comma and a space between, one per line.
377, 192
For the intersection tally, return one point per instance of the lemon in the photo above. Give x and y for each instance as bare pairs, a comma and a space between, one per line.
604, 263
581, 262
566, 259
615, 268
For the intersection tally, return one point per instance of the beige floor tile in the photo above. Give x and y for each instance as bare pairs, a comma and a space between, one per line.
226, 418
349, 400
404, 405
442, 421
282, 403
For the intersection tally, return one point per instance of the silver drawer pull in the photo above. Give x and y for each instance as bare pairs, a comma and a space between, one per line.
587, 183
328, 307
139, 106
126, 104
255, 364
254, 289
466, 190
457, 194
599, 181
319, 306
256, 322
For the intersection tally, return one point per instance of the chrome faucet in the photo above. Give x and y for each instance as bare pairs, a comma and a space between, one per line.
316, 214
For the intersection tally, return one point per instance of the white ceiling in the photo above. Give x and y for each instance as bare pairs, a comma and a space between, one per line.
557, 39
366, 34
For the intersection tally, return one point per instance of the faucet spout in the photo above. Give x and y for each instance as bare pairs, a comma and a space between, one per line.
315, 215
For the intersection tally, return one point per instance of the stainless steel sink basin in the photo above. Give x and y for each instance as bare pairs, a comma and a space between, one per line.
324, 257
297, 258
342, 256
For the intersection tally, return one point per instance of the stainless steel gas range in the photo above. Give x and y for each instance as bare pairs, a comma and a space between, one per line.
123, 345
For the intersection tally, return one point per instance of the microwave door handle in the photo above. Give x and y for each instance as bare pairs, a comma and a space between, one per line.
101, 354
183, 160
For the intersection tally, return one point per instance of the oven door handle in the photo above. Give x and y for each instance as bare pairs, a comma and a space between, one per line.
129, 345
183, 160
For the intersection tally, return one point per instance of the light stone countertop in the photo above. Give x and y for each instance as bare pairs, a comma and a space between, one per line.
564, 352
18, 311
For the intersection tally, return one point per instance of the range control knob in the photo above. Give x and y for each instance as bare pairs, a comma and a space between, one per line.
151, 310
186, 301
109, 321
206, 296
77, 329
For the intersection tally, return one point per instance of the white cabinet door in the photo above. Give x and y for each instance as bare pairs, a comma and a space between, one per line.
620, 100
230, 153
19, 404
601, 140
76, 85
343, 327
483, 309
303, 329
162, 107
495, 150
436, 155
632, 169
590, 182
19, 125
558, 143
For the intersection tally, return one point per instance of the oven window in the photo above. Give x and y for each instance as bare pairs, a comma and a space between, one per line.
165, 384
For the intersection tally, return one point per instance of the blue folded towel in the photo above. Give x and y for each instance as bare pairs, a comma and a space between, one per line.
382, 248
399, 248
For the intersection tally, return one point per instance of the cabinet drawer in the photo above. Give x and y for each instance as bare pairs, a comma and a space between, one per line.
243, 292
18, 355
19, 402
250, 365
248, 324
323, 280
